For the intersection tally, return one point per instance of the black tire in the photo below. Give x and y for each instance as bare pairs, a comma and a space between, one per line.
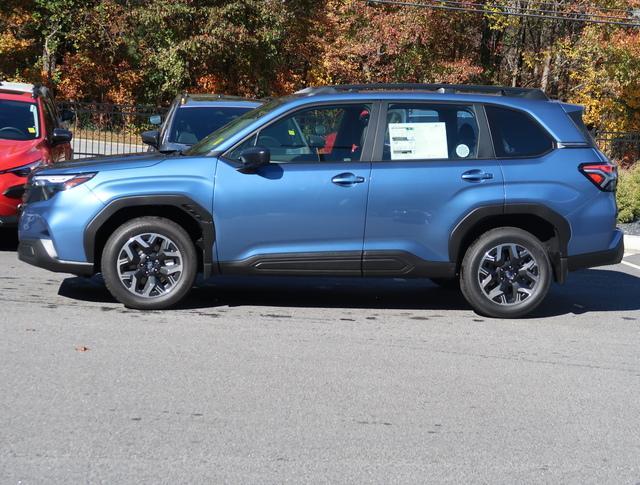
179, 244
451, 284
514, 277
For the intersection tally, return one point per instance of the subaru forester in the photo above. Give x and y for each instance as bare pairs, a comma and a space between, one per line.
499, 190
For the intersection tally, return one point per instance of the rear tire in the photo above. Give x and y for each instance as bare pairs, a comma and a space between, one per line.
505, 273
149, 263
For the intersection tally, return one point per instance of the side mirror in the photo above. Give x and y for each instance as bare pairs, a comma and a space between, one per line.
67, 115
60, 135
253, 158
155, 119
151, 138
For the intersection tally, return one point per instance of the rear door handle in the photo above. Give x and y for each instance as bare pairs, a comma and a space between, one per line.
476, 175
347, 178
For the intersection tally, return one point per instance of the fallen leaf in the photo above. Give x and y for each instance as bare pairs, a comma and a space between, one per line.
82, 348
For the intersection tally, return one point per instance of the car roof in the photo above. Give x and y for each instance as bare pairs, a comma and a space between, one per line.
7, 86
212, 100
22, 89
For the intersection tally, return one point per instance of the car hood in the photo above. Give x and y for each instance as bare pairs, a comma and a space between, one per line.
16, 153
103, 164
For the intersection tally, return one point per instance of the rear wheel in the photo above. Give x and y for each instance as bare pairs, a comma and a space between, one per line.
505, 273
149, 263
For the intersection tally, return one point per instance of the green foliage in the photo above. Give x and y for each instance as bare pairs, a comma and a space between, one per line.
628, 195
146, 51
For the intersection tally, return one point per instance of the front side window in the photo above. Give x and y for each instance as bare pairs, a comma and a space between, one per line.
192, 124
515, 134
18, 120
430, 132
319, 134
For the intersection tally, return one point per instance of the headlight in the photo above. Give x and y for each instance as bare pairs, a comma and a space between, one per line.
48, 185
24, 170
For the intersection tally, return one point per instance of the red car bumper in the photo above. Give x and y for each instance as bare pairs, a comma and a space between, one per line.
11, 188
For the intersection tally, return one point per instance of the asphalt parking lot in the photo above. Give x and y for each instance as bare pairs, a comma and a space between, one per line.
306, 381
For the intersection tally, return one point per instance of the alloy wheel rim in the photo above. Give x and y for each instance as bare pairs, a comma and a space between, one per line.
508, 274
149, 265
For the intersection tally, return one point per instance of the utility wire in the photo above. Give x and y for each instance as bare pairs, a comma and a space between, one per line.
628, 11
471, 7
512, 10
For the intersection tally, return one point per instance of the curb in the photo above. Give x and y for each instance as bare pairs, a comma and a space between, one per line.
631, 243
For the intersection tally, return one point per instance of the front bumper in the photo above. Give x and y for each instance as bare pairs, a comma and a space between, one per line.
41, 253
613, 255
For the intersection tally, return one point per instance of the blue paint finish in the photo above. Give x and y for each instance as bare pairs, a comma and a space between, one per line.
408, 206
414, 206
555, 181
62, 219
288, 208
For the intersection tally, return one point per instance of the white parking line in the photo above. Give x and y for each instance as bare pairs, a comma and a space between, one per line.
630, 264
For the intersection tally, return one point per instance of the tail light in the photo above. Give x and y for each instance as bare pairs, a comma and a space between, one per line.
602, 174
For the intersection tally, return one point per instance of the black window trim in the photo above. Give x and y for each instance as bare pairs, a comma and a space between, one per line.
554, 142
485, 143
369, 139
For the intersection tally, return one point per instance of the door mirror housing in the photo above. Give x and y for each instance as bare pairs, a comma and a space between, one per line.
253, 158
151, 138
60, 135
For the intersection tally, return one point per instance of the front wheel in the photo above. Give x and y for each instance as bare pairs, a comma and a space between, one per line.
149, 263
505, 273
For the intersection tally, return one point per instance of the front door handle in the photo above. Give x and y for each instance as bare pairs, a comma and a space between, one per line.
476, 175
346, 179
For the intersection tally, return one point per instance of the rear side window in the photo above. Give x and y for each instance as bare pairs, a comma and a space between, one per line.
515, 134
430, 132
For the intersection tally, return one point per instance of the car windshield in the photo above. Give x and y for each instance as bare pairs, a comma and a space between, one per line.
215, 139
192, 124
18, 120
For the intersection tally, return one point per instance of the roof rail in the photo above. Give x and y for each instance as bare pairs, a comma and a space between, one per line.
527, 93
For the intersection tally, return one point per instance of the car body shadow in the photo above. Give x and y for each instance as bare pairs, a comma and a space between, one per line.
585, 291
8, 239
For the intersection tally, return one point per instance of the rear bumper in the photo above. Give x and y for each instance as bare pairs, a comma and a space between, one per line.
607, 257
41, 253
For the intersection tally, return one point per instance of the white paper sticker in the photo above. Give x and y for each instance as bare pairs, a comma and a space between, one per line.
462, 151
418, 141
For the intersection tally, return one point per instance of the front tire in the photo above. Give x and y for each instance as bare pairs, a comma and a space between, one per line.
505, 273
149, 263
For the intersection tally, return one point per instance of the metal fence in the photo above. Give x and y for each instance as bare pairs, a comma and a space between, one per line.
108, 129
624, 147
111, 129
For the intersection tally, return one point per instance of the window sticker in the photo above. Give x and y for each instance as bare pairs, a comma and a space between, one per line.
418, 141
462, 151
34, 112
31, 129
292, 132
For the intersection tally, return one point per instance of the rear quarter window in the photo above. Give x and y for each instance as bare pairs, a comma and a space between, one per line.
515, 134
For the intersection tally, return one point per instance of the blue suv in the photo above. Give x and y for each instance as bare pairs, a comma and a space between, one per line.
498, 190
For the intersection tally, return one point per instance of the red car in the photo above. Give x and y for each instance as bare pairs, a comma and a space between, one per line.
30, 135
